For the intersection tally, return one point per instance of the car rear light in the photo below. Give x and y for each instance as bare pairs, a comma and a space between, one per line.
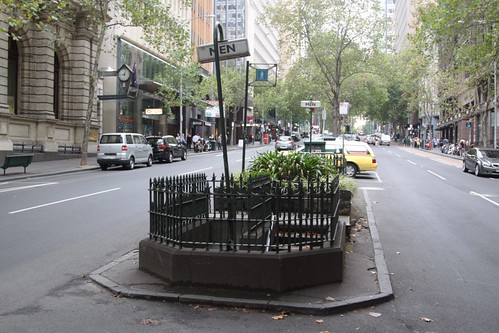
163, 147
98, 147
124, 148
374, 160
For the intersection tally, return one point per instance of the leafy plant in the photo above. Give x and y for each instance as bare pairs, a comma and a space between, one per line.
292, 166
348, 184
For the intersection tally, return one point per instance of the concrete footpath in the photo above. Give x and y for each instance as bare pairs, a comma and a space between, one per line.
366, 279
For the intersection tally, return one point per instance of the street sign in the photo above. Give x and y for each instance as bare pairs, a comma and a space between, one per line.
310, 104
344, 106
262, 74
226, 50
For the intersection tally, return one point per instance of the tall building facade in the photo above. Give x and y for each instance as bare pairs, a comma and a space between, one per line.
44, 86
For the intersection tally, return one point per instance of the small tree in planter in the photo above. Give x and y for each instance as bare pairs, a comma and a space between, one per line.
298, 166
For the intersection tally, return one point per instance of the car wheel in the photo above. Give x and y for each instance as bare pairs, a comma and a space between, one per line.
131, 164
184, 155
350, 170
149, 161
465, 169
478, 173
169, 157
103, 167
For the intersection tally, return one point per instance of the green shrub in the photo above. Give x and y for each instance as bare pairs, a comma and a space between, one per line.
292, 166
348, 183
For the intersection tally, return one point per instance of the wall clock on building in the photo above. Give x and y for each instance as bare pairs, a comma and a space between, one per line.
124, 73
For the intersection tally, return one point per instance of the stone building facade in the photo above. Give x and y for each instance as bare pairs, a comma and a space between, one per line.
44, 87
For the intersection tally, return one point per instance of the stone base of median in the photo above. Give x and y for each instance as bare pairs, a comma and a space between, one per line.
242, 270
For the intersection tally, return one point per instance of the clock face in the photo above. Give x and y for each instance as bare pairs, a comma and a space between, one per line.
124, 74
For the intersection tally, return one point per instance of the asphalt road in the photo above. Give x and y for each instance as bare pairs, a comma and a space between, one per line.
438, 228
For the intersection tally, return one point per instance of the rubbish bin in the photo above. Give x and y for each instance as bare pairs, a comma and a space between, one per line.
213, 145
265, 138
315, 146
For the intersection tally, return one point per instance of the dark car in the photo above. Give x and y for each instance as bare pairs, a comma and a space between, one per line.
166, 148
482, 161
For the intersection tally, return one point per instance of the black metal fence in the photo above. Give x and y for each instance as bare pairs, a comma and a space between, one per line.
254, 215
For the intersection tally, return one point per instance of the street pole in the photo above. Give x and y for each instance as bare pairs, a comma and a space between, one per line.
494, 144
181, 107
245, 115
311, 119
218, 30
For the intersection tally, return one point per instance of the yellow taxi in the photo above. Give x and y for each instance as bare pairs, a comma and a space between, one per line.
358, 155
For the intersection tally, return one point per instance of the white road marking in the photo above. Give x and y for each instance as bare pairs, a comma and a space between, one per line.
371, 188
377, 176
433, 173
411, 162
65, 200
484, 196
25, 187
195, 171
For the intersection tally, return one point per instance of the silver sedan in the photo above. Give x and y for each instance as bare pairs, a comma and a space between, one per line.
285, 143
482, 161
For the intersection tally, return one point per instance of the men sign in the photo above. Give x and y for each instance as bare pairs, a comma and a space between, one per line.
226, 49
310, 104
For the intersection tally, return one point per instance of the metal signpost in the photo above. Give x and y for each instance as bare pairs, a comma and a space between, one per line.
344, 106
222, 50
312, 105
261, 80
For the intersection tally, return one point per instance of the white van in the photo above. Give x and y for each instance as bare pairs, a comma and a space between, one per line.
125, 149
385, 140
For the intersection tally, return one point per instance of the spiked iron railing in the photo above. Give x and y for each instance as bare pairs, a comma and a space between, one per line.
260, 214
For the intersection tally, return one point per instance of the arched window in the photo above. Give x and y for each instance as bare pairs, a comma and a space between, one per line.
12, 78
57, 86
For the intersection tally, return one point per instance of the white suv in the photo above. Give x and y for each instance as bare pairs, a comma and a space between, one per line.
126, 149
385, 140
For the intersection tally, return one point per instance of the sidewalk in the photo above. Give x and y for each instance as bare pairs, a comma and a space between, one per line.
366, 279
365, 282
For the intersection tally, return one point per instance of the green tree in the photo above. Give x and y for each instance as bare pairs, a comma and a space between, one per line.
461, 37
339, 38
233, 91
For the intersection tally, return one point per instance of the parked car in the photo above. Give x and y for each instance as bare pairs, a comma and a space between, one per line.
384, 140
358, 155
482, 161
349, 137
166, 148
285, 142
125, 149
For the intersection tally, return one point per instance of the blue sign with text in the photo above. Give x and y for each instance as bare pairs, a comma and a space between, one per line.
262, 74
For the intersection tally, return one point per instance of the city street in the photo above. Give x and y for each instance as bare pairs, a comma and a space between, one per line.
437, 225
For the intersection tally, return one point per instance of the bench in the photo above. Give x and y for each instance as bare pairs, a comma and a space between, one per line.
17, 160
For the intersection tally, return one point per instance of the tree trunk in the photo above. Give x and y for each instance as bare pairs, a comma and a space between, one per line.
91, 92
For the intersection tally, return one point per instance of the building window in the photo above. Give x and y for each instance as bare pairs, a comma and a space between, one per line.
57, 86
12, 78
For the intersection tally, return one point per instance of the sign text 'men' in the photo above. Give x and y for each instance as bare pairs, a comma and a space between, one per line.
226, 50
